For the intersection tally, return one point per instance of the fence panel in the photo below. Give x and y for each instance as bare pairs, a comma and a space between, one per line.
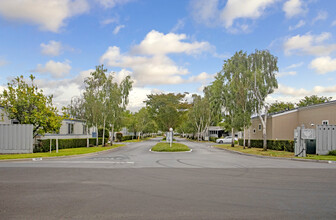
325, 139
16, 139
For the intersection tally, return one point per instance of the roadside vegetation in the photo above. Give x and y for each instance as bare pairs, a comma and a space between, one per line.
274, 153
61, 152
165, 147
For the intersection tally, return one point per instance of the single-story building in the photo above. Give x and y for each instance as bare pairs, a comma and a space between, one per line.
70, 128
281, 125
216, 131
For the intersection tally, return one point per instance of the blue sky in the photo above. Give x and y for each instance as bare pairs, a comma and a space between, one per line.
166, 46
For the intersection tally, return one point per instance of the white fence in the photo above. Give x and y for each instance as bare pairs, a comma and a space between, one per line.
325, 139
16, 138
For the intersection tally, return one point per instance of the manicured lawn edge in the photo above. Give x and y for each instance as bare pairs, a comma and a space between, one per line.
69, 152
275, 154
165, 147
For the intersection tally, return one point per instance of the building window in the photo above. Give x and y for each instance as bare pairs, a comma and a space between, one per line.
84, 129
259, 127
70, 128
254, 131
325, 122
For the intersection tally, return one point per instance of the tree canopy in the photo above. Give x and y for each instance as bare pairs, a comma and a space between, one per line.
166, 109
281, 106
26, 103
312, 100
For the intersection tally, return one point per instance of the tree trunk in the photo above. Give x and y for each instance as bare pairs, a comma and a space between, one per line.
232, 139
112, 134
97, 135
244, 139
103, 140
249, 138
264, 132
87, 136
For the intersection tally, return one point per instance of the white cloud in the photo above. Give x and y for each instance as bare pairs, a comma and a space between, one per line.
293, 8
53, 48
178, 26
112, 3
117, 29
322, 15
202, 77
298, 25
290, 94
156, 43
148, 61
109, 21
146, 70
289, 73
48, 15
323, 65
56, 69
208, 12
137, 97
235, 9
333, 23
295, 65
309, 44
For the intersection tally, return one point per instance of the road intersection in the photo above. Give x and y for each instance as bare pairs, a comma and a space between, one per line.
133, 183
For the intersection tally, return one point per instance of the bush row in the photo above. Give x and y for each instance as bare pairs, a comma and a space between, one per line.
213, 139
280, 145
44, 145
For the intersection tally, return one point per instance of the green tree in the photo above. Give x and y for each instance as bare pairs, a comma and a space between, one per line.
263, 66
144, 123
166, 109
280, 106
26, 103
312, 100
238, 99
104, 99
200, 115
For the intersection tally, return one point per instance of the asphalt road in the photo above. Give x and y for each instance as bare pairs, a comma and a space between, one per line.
133, 183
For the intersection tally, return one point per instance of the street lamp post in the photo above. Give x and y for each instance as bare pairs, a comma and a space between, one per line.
171, 136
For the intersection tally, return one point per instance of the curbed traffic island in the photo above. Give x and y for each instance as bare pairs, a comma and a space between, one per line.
175, 147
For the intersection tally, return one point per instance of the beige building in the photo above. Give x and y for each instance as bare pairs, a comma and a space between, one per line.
280, 126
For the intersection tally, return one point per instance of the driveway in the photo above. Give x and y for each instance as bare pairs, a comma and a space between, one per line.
133, 183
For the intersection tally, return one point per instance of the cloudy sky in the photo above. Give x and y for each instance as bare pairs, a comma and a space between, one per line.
166, 46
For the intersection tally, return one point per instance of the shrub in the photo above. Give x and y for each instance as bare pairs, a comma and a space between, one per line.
213, 139
280, 145
332, 152
119, 136
127, 137
44, 145
100, 133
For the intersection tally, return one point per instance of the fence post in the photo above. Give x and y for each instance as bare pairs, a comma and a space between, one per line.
50, 145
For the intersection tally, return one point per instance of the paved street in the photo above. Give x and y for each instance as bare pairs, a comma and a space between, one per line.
133, 183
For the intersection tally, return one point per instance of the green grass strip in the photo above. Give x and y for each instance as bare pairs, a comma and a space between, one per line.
273, 153
165, 147
61, 152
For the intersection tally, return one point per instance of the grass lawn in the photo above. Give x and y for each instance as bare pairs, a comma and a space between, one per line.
61, 152
165, 147
273, 153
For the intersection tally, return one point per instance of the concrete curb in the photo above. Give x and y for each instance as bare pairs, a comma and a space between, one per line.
61, 157
150, 150
279, 158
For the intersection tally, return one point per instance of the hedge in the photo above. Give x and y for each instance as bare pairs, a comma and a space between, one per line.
213, 139
127, 137
44, 145
280, 145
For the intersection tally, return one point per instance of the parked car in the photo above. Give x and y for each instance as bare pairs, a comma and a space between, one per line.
226, 140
